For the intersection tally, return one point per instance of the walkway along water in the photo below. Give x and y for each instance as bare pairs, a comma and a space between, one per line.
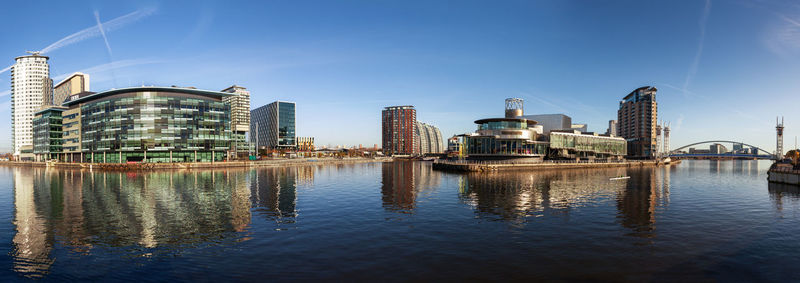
478, 166
199, 165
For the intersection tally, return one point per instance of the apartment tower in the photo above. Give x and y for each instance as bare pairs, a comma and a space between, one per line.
399, 123
240, 118
28, 77
636, 122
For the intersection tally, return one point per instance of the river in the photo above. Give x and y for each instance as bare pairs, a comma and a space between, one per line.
400, 221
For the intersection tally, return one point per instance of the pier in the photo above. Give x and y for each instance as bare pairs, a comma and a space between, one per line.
485, 166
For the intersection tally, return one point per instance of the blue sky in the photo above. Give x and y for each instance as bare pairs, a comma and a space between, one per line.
724, 69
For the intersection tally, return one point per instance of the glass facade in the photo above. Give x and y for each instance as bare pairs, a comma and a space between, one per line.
47, 134
490, 145
587, 143
155, 126
503, 125
286, 129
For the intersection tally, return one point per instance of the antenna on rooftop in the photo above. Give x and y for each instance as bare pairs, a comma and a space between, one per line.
34, 53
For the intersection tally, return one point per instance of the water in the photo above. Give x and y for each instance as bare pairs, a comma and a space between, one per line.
402, 221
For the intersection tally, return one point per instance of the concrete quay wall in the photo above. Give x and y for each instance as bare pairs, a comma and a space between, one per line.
791, 177
197, 165
473, 167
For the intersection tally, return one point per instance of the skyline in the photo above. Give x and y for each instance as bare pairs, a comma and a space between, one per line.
455, 64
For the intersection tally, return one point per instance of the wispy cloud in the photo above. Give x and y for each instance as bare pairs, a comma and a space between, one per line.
4, 93
96, 31
693, 67
785, 37
110, 66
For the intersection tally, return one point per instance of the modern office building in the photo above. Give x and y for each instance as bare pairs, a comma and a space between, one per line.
612, 128
429, 139
398, 134
146, 124
28, 76
240, 118
72, 85
47, 133
550, 122
636, 122
272, 126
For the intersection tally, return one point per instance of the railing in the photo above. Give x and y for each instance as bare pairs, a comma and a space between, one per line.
500, 162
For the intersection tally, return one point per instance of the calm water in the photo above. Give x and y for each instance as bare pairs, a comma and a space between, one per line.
402, 221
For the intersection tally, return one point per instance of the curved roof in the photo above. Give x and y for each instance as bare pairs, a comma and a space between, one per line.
207, 93
487, 120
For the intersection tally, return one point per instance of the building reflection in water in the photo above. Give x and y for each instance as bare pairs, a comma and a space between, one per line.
514, 196
274, 191
159, 211
403, 181
783, 194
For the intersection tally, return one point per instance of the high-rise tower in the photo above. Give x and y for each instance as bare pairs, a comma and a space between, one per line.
636, 122
779, 129
398, 130
27, 91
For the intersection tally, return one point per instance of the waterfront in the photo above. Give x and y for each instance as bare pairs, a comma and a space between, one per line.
701, 220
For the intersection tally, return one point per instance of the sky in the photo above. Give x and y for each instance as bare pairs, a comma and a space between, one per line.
724, 69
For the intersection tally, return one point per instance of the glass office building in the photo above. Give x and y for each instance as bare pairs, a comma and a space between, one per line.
153, 124
47, 134
272, 126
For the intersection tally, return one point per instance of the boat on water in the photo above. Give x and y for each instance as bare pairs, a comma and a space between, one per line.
620, 178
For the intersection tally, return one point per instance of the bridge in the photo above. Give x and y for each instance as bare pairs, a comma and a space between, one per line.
759, 154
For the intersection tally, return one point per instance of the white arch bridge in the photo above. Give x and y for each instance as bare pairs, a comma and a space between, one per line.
759, 154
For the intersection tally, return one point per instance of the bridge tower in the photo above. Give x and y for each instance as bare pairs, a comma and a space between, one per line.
658, 140
666, 138
779, 129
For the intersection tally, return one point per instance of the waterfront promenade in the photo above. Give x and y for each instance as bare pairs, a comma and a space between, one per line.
199, 165
480, 166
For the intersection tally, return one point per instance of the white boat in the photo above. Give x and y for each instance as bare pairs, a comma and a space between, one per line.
620, 178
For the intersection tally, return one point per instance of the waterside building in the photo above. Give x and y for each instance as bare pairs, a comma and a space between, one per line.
515, 137
272, 126
398, 130
636, 122
138, 124
30, 77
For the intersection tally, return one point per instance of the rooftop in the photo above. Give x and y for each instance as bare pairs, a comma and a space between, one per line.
207, 93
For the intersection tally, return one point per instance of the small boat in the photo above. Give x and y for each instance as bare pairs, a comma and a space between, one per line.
620, 178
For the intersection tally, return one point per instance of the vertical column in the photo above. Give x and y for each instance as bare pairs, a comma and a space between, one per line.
195, 156
170, 156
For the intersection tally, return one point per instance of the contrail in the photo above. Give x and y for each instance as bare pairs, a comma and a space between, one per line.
108, 46
95, 30
693, 67
102, 32
6, 69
